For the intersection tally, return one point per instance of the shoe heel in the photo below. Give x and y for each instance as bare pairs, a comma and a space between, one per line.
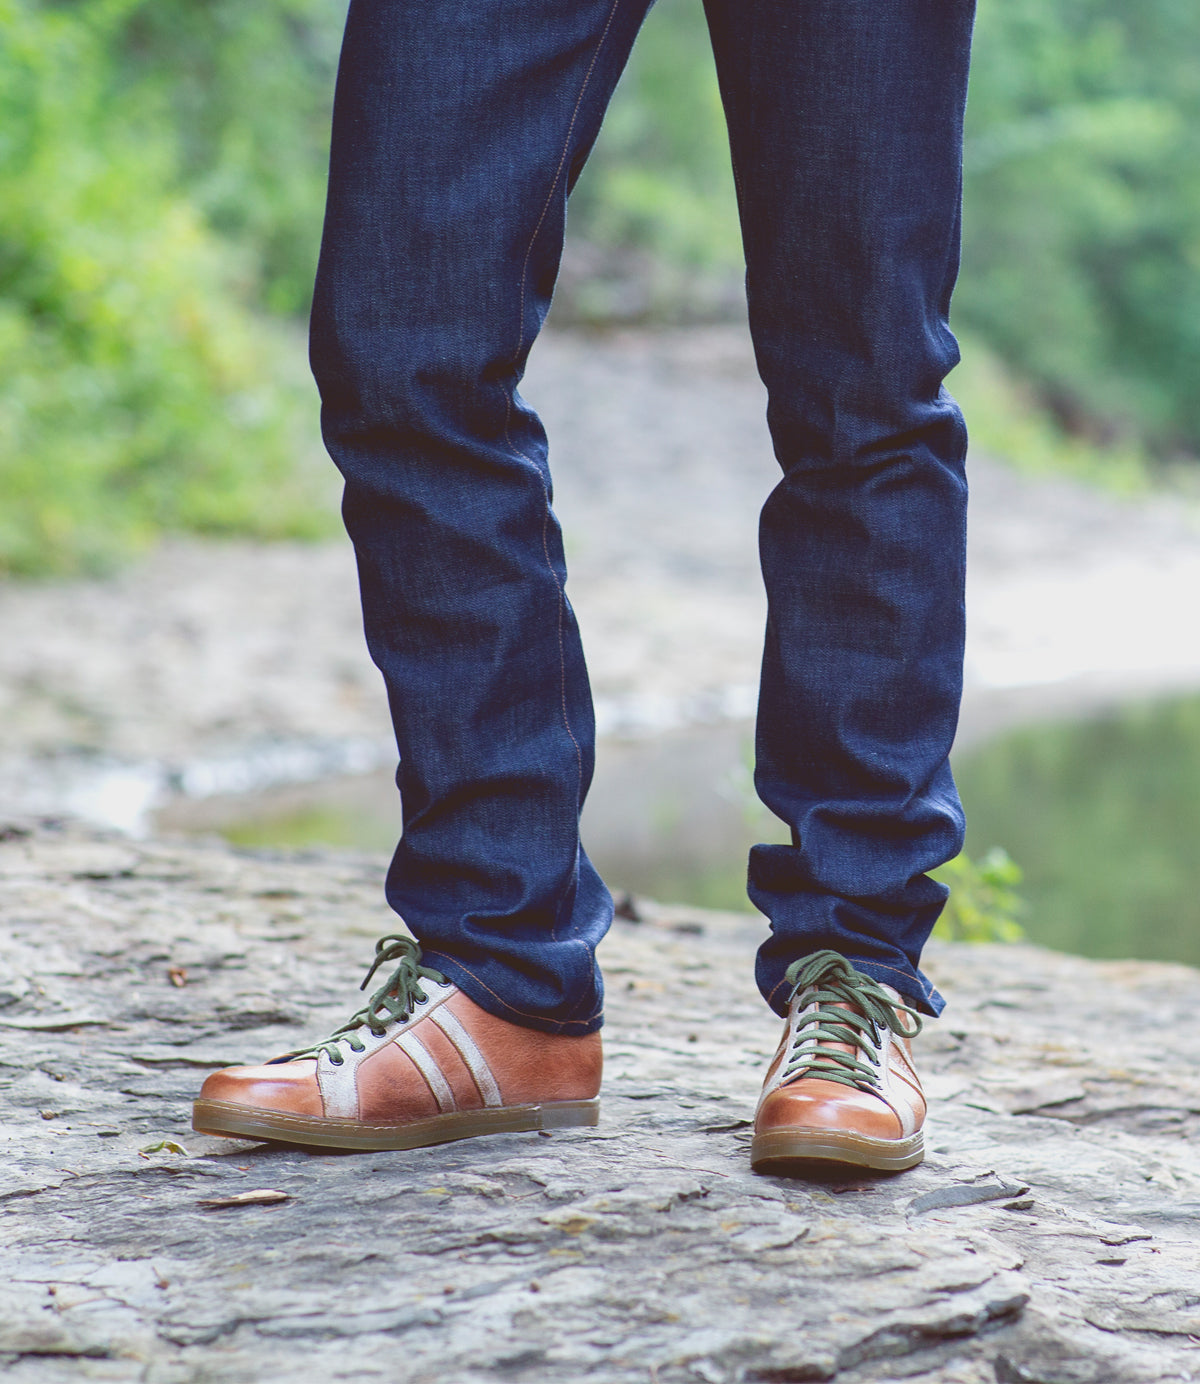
568, 1114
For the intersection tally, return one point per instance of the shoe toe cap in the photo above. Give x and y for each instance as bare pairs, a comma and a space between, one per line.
811, 1103
289, 1087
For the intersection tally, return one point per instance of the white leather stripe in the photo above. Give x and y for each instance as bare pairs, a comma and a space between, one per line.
468, 1050
338, 1081
339, 1090
409, 1043
899, 1097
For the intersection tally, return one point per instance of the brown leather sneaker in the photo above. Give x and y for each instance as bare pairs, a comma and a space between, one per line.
841, 1088
420, 1064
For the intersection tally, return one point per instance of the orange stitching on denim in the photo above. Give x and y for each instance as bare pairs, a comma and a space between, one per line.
523, 1012
776, 990
508, 407
905, 975
587, 77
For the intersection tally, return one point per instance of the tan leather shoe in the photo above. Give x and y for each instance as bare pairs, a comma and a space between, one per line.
420, 1064
841, 1087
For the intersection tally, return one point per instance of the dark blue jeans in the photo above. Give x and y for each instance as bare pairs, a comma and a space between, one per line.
459, 129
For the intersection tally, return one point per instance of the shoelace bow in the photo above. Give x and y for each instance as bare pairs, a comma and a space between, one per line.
829, 981
393, 1002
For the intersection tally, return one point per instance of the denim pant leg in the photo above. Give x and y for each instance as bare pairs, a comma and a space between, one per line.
846, 129
458, 127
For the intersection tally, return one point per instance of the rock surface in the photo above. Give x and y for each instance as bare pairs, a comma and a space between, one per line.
1049, 1238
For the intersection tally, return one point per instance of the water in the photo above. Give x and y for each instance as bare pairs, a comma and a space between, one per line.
670, 817
1103, 815
1104, 818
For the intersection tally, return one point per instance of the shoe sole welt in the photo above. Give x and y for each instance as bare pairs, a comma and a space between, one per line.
245, 1122
787, 1150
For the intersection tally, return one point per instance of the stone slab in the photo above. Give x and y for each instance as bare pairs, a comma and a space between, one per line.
1049, 1238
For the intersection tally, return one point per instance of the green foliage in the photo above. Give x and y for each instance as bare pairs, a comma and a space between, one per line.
984, 905
137, 391
1007, 420
246, 86
1081, 261
162, 1146
660, 177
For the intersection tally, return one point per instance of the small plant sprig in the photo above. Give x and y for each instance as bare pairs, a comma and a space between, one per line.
984, 905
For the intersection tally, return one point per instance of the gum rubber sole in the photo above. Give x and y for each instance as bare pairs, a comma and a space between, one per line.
245, 1122
791, 1150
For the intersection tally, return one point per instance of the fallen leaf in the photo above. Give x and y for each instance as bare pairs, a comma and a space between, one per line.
163, 1146
42, 1024
264, 1196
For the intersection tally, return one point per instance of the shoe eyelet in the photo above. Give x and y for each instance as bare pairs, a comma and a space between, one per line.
337, 1061
378, 1032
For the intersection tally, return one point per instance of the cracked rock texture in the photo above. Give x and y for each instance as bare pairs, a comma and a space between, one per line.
1049, 1238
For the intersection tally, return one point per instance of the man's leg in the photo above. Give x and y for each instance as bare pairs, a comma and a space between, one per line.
846, 126
459, 127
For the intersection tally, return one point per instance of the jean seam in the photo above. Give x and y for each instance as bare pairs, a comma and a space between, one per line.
525, 1014
926, 989
779, 986
508, 409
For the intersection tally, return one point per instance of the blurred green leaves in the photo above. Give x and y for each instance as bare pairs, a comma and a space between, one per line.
984, 905
137, 388
1081, 257
247, 88
659, 178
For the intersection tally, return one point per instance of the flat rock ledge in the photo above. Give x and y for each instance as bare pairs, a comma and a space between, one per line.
1049, 1238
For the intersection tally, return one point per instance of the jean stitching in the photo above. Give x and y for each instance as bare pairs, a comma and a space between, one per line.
523, 1012
508, 408
926, 989
776, 990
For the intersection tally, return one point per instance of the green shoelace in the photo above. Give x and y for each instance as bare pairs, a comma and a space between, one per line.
829, 981
393, 1002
